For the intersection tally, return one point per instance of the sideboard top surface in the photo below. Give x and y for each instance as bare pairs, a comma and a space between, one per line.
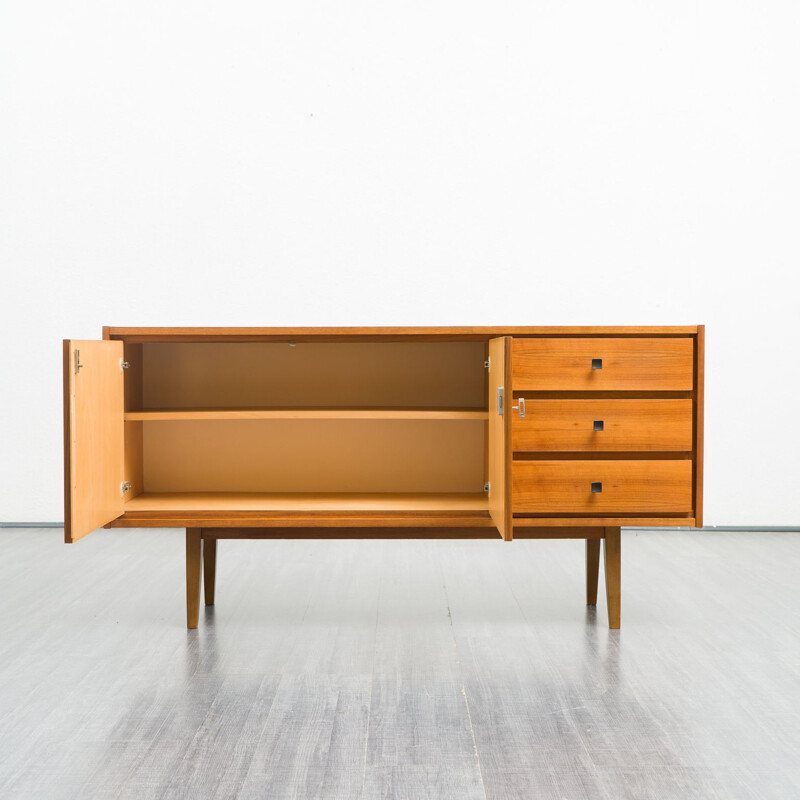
188, 334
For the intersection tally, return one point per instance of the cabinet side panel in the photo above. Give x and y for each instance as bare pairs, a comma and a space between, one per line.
700, 356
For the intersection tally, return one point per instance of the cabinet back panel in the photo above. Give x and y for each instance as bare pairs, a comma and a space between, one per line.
314, 456
408, 374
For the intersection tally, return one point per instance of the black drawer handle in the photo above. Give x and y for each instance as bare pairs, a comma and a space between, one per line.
598, 425
597, 486
597, 363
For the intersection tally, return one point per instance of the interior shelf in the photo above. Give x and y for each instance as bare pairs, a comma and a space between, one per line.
305, 501
170, 414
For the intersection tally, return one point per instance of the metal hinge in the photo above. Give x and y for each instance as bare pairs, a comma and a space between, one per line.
124, 365
501, 400
488, 363
78, 364
125, 486
486, 486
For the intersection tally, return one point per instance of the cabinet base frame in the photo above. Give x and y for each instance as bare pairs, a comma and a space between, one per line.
201, 554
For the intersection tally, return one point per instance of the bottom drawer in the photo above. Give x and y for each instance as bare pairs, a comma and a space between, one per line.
602, 487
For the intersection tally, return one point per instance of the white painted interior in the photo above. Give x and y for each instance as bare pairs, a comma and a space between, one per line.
343, 163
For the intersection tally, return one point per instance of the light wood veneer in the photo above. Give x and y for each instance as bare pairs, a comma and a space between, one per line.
627, 364
566, 487
602, 425
385, 432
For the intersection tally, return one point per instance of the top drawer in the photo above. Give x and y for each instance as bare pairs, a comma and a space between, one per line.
603, 364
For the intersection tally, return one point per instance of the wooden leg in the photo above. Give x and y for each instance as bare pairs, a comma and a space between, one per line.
194, 566
592, 570
611, 551
209, 568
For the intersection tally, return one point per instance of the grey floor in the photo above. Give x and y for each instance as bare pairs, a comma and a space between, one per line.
346, 669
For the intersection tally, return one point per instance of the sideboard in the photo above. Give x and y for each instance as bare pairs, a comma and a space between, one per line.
449, 432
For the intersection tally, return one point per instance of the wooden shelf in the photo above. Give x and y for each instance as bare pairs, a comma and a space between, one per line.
306, 501
373, 511
174, 414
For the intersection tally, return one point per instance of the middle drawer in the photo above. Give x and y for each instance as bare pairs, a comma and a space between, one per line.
603, 426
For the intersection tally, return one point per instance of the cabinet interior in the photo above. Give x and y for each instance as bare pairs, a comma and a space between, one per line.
254, 425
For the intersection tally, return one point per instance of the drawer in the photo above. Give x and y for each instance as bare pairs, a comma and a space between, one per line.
600, 364
603, 425
620, 487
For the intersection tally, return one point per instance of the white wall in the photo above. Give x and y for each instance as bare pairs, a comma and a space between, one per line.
244, 163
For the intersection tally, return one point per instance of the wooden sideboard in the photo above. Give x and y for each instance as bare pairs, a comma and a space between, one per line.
508, 433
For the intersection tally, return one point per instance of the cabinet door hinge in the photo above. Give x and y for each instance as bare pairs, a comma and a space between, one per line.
124, 364
487, 486
488, 363
124, 487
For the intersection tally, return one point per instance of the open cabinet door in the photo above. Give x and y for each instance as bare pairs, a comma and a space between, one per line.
500, 399
93, 435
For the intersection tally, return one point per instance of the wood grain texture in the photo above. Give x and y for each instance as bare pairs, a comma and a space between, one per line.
386, 333
194, 568
569, 520
306, 501
134, 448
628, 425
66, 409
297, 455
699, 424
306, 519
155, 415
499, 432
613, 569
133, 468
573, 532
237, 410
133, 376
321, 375
592, 570
598, 455
298, 510
656, 364
639, 487
209, 568
93, 436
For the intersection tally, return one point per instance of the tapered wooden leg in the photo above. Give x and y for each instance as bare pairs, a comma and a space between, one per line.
209, 568
612, 552
592, 570
194, 566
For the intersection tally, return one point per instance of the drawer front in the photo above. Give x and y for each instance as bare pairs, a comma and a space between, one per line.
597, 364
620, 487
603, 425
